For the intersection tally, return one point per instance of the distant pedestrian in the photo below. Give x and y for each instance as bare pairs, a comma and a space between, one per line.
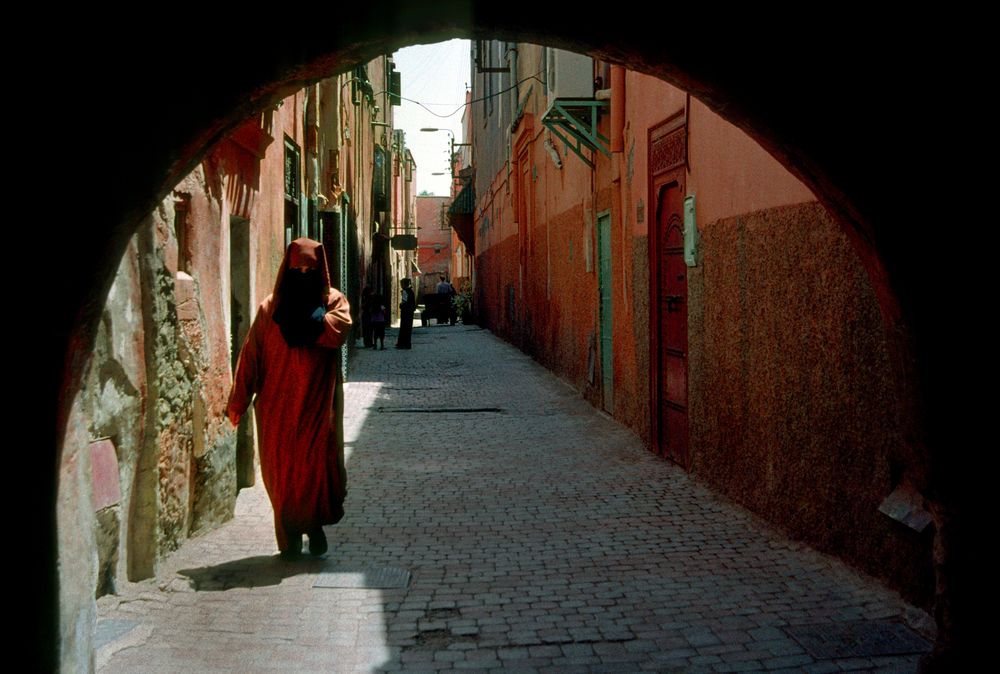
407, 305
289, 368
379, 318
444, 287
446, 293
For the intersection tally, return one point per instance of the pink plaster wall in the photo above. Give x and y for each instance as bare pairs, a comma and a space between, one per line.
267, 221
791, 394
777, 289
434, 234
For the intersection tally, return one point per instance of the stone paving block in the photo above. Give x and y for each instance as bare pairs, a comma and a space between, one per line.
609, 648
633, 658
520, 638
908, 663
513, 653
617, 634
723, 649
572, 650
701, 660
615, 667
787, 661
641, 646
544, 651
448, 656
777, 647
480, 665
735, 637
745, 666
767, 634
416, 656
462, 646
700, 637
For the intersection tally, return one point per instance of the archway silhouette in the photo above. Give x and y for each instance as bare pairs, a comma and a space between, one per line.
838, 113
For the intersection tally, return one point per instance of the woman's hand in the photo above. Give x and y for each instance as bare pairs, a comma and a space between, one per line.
234, 417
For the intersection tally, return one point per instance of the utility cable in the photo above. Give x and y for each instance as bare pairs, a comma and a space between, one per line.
463, 105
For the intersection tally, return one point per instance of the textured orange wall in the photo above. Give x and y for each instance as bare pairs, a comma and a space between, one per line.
791, 392
792, 400
433, 230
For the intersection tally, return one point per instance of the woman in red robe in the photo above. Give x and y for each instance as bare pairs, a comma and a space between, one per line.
290, 364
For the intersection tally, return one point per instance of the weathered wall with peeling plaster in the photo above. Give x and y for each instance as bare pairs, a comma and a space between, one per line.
156, 387
161, 369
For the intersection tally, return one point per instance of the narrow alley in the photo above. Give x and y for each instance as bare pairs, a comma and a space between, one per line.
497, 521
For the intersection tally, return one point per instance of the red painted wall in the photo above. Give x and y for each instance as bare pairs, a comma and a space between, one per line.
777, 289
433, 240
555, 293
269, 217
792, 403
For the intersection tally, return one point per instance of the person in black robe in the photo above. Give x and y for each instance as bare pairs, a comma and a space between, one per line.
407, 305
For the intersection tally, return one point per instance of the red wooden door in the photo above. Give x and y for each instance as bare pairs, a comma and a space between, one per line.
673, 328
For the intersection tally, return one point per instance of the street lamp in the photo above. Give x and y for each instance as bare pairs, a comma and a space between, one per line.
428, 129
452, 146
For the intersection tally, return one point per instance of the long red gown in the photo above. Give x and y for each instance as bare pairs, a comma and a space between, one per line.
301, 459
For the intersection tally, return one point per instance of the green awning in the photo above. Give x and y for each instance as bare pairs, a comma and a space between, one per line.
574, 122
460, 217
465, 202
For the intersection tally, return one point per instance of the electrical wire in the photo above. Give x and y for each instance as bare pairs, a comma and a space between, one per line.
463, 105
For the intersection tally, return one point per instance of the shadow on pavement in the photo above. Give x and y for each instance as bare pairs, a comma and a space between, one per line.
259, 571
547, 536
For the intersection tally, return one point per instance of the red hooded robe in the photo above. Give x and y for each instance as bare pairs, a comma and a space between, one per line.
301, 457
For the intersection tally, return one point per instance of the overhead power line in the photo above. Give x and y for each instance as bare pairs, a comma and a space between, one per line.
477, 100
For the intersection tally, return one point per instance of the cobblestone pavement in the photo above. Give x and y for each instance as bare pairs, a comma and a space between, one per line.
539, 535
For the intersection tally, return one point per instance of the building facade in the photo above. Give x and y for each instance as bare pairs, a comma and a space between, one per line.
151, 458
403, 232
461, 215
661, 262
434, 241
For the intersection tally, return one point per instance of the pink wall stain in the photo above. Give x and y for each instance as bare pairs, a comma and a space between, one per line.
104, 474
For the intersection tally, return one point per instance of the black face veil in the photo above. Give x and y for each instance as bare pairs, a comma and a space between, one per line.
300, 296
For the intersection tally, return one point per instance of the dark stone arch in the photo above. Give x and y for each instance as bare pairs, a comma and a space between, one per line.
837, 107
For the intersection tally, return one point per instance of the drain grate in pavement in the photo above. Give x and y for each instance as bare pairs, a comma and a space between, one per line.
437, 410
857, 639
411, 388
110, 630
364, 578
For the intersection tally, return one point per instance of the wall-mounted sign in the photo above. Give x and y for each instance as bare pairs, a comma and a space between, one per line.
404, 242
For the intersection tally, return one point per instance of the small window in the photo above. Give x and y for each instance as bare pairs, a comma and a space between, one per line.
292, 162
293, 183
602, 75
182, 231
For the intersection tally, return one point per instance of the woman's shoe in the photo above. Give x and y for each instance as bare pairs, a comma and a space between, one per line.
294, 549
317, 542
